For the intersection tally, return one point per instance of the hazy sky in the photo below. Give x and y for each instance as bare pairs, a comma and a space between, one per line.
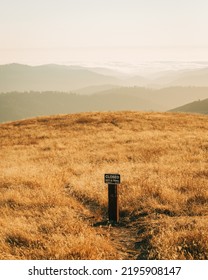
31, 30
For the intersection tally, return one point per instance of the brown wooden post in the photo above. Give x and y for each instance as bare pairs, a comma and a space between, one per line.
113, 207
113, 203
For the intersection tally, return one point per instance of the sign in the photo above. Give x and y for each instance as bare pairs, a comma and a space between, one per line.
112, 178
113, 204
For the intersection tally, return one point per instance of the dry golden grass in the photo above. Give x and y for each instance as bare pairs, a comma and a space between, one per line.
52, 190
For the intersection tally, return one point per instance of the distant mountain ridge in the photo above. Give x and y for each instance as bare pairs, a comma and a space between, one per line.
52, 77
196, 77
18, 77
166, 98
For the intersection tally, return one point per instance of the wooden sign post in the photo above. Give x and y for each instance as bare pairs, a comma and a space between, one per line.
113, 208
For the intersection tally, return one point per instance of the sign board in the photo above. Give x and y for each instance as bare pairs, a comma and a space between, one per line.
112, 178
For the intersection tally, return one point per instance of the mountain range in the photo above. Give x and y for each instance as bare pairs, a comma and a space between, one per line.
17, 77
52, 77
30, 91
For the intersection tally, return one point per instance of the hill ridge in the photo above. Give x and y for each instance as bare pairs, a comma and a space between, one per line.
199, 106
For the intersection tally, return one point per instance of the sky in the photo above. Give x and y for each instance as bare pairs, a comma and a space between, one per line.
79, 31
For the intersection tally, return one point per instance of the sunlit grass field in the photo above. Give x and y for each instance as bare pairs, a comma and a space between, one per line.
53, 199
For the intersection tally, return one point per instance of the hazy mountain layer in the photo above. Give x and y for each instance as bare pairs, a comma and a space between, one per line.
18, 77
15, 106
166, 98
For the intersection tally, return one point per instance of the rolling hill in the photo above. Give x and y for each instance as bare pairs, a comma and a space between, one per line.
200, 107
54, 202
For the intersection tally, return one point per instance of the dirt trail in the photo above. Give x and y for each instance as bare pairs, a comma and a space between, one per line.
124, 238
130, 236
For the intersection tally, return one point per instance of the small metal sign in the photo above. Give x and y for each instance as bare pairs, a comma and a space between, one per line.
112, 178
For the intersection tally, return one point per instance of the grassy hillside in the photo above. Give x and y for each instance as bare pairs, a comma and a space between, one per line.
53, 200
200, 106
